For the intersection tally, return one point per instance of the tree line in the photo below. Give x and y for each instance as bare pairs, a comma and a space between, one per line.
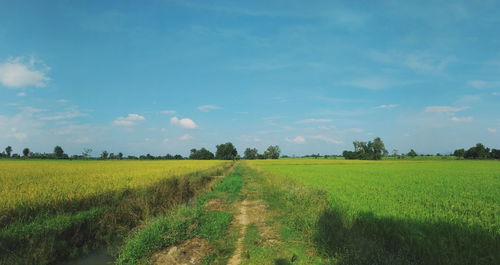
225, 151
478, 152
371, 150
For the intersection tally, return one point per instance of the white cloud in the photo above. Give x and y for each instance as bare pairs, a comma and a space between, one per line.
166, 140
249, 138
492, 130
71, 113
495, 93
30, 109
21, 94
327, 139
168, 111
481, 84
207, 108
184, 123
462, 119
390, 106
355, 130
15, 73
62, 101
371, 83
82, 140
185, 137
130, 120
444, 109
428, 63
418, 61
297, 140
314, 121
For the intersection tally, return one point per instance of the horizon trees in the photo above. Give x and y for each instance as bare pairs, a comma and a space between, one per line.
250, 153
226, 151
367, 150
479, 151
202, 154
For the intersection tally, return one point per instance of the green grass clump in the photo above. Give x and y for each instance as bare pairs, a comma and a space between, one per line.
157, 233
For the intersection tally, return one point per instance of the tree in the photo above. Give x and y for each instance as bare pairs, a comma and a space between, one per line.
8, 150
377, 148
104, 154
459, 153
477, 152
202, 154
26, 152
367, 151
86, 152
226, 151
412, 153
120, 155
272, 152
495, 153
58, 152
250, 153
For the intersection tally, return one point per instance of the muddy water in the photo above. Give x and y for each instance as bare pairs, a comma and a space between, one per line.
98, 257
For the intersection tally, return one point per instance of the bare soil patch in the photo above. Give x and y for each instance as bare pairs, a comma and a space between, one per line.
215, 204
189, 252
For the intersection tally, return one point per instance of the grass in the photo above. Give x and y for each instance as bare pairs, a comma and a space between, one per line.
43, 232
185, 223
391, 212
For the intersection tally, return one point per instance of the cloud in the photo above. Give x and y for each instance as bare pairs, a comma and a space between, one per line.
492, 130
462, 119
428, 63
166, 140
168, 112
71, 113
314, 121
184, 123
21, 94
355, 130
130, 120
371, 83
207, 108
296, 140
423, 62
185, 137
481, 84
249, 138
495, 93
390, 106
444, 109
82, 140
15, 73
327, 139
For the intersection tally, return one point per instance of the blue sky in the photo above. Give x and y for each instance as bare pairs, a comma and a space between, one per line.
166, 76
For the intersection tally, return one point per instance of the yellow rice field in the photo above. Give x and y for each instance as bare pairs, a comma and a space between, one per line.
31, 182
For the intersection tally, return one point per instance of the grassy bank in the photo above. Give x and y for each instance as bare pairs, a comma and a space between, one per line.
43, 237
187, 222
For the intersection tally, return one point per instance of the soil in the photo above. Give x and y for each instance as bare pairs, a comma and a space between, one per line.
189, 252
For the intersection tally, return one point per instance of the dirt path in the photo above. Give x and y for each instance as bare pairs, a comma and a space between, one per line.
252, 213
242, 220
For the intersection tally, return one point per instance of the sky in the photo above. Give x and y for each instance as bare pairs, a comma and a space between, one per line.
160, 76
